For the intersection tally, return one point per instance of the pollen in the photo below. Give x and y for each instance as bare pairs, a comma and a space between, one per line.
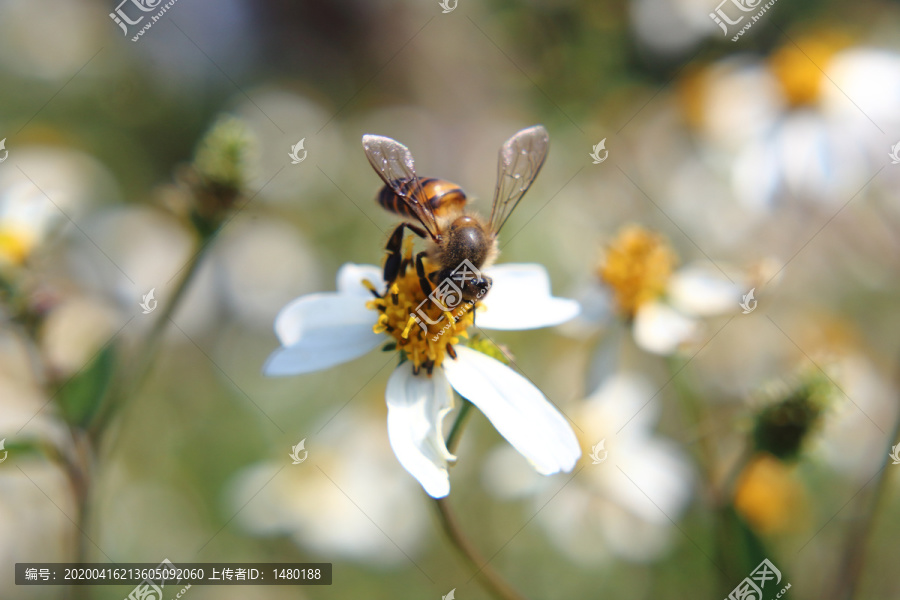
636, 265
425, 329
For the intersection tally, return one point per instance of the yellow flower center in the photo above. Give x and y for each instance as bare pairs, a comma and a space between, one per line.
800, 71
421, 327
15, 245
768, 495
637, 265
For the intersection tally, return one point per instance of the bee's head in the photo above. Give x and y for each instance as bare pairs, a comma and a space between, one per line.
475, 289
466, 249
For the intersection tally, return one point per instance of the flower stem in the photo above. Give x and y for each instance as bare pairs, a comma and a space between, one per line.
697, 412
129, 383
124, 385
151, 345
457, 427
492, 581
489, 578
858, 540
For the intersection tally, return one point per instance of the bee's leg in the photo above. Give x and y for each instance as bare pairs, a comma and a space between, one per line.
416, 230
393, 264
420, 271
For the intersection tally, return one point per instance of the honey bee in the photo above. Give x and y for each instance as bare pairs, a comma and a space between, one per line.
437, 209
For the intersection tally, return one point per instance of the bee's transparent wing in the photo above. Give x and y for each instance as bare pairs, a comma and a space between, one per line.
395, 165
521, 158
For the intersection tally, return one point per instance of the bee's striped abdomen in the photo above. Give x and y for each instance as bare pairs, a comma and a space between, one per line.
442, 197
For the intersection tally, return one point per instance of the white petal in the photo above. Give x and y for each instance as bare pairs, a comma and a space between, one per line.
623, 403
518, 410
596, 302
350, 276
662, 479
661, 329
322, 330
702, 292
417, 405
520, 298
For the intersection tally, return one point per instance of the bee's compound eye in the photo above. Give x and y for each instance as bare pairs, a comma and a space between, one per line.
484, 284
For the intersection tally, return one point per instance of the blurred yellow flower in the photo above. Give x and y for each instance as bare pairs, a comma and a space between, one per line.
637, 266
15, 245
799, 66
767, 494
25, 220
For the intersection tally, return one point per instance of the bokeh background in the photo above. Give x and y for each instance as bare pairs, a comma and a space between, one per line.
759, 164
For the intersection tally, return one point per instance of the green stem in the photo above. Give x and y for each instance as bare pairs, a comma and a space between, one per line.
124, 386
80, 469
457, 427
487, 576
492, 581
706, 456
858, 541
127, 384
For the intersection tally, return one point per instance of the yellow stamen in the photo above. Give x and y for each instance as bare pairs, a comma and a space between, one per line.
409, 324
637, 265
422, 330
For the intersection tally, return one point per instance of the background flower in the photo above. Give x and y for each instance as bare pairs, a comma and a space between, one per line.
634, 521
767, 157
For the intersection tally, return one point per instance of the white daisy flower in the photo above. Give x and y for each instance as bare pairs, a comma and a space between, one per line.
637, 484
322, 330
784, 127
330, 510
639, 282
37, 199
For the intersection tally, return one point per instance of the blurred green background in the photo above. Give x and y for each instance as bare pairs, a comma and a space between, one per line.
763, 164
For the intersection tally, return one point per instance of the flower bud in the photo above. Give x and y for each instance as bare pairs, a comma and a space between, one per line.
782, 427
218, 175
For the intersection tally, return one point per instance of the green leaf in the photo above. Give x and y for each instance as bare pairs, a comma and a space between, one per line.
19, 448
80, 397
